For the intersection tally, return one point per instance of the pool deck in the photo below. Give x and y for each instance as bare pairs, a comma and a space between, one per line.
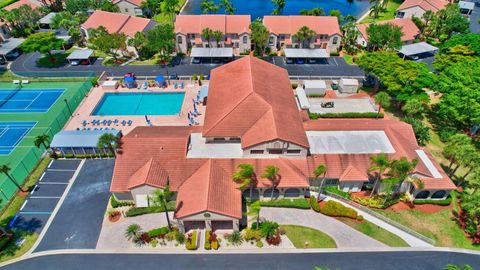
87, 106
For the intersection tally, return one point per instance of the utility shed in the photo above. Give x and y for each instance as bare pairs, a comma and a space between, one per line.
315, 87
302, 99
349, 86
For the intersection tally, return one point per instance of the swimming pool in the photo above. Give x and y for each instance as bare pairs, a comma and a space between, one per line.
139, 104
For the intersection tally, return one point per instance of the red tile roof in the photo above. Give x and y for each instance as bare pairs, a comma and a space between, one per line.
352, 173
117, 22
227, 24
210, 189
322, 25
433, 5
409, 29
32, 3
252, 99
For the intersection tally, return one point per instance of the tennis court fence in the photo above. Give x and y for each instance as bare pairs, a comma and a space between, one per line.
25, 156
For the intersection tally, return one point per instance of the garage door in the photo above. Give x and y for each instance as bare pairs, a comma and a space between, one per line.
194, 224
222, 225
141, 200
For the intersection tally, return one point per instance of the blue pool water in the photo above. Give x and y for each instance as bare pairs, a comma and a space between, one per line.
140, 104
28, 101
259, 8
11, 133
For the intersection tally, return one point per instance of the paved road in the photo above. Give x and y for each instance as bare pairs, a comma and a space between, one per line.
291, 261
42, 200
79, 219
25, 65
343, 235
474, 17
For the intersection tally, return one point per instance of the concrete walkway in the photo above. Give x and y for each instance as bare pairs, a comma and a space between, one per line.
410, 239
344, 236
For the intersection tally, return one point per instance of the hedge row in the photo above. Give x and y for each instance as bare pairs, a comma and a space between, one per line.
315, 116
115, 204
137, 211
334, 209
444, 202
338, 192
191, 243
287, 203
158, 232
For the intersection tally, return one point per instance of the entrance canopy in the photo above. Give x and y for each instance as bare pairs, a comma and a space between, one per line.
9, 45
418, 48
80, 55
306, 53
211, 52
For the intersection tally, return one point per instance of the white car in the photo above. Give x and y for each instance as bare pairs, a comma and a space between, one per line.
75, 63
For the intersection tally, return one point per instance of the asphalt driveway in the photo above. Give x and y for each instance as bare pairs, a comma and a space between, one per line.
42, 200
78, 222
25, 65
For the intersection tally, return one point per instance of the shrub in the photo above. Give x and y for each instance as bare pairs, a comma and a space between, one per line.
207, 240
335, 53
444, 202
158, 232
251, 234
314, 203
377, 201
338, 192
180, 238
115, 204
294, 85
274, 240
202, 77
191, 243
259, 244
286, 203
335, 209
145, 238
113, 215
235, 238
269, 228
194, 77
154, 242
137, 211
360, 218
315, 116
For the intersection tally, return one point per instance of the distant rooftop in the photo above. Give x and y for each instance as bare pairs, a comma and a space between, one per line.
349, 142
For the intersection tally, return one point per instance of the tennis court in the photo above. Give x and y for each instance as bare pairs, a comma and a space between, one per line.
11, 133
28, 101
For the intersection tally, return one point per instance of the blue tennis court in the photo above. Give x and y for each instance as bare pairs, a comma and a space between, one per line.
11, 133
28, 100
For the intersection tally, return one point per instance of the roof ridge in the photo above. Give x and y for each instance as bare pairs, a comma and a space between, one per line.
124, 23
292, 166
207, 201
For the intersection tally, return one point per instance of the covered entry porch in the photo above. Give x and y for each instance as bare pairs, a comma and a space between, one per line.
208, 221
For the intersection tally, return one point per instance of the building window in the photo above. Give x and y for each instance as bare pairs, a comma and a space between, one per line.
126, 9
245, 40
294, 151
179, 40
234, 139
270, 40
256, 152
275, 151
335, 40
219, 139
400, 14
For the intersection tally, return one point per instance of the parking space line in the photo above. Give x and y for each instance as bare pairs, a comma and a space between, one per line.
54, 183
50, 164
41, 177
45, 197
60, 170
23, 205
33, 189
35, 213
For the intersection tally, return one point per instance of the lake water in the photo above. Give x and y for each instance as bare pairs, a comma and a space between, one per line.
259, 8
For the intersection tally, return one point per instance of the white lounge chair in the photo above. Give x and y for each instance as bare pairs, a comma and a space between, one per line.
25, 81
16, 81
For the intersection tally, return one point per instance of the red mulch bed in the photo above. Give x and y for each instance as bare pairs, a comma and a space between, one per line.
115, 217
427, 208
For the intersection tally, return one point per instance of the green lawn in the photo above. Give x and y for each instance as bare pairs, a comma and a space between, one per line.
438, 226
163, 18
349, 58
4, 3
316, 239
387, 15
12, 251
375, 232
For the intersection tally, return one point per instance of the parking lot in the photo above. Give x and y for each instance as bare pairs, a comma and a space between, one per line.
361, 105
43, 198
78, 222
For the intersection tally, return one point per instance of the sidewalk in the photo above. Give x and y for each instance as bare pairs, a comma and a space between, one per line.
410, 239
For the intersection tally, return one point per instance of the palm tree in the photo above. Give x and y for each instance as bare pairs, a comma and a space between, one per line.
108, 140
279, 6
245, 177
400, 169
132, 231
137, 41
227, 5
209, 7
5, 169
375, 8
383, 101
217, 36
304, 35
271, 173
207, 34
41, 140
380, 163
170, 7
160, 198
254, 210
320, 170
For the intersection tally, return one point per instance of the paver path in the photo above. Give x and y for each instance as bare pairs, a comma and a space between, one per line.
343, 235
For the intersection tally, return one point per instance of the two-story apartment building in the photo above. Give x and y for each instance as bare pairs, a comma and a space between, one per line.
234, 28
283, 28
409, 29
129, 7
417, 8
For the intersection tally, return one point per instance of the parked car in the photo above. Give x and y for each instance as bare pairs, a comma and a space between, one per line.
289, 61
217, 60
312, 61
300, 61
2, 61
196, 61
75, 62
84, 62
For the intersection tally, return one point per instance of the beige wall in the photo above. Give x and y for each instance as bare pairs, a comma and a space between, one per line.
410, 12
213, 217
283, 145
351, 186
189, 42
278, 44
129, 8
